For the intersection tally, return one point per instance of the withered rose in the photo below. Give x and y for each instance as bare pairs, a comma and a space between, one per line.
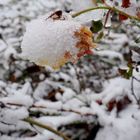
56, 40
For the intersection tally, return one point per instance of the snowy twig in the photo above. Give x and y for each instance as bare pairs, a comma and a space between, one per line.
80, 113
106, 8
66, 110
107, 17
5, 123
132, 90
33, 122
136, 79
15, 104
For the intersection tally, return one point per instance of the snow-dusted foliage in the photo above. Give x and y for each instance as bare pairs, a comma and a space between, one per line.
88, 100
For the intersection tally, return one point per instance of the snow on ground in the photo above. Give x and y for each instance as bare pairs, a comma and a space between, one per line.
76, 99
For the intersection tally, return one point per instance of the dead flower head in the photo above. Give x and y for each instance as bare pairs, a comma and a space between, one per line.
56, 40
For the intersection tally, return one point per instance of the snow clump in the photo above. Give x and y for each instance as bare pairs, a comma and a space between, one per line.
55, 40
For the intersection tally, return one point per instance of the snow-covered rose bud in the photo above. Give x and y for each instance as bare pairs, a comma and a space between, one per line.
56, 40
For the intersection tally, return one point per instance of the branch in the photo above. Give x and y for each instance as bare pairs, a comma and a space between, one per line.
136, 79
132, 90
106, 8
33, 122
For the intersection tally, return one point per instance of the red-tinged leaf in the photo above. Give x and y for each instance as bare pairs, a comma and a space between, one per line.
119, 104
125, 3
103, 1
52, 94
88, 52
122, 17
84, 52
111, 105
80, 54
12, 78
67, 55
56, 15
99, 102
123, 103
138, 12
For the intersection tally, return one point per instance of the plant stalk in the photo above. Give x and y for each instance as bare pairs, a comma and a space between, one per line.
33, 122
106, 8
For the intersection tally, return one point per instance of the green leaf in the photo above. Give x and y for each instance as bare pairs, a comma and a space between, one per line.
126, 73
96, 26
137, 40
99, 1
99, 37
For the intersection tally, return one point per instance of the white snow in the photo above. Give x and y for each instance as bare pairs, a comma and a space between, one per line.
3, 46
109, 54
4, 2
18, 96
57, 121
50, 105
